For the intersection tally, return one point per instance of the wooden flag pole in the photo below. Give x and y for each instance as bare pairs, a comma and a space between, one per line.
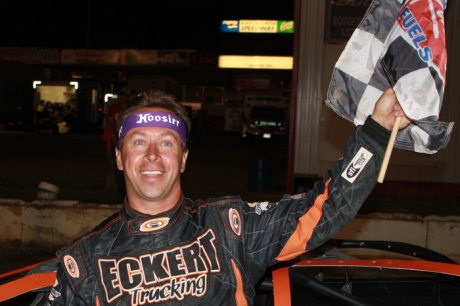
391, 142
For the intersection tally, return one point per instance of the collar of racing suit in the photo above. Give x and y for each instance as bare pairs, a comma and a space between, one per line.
143, 224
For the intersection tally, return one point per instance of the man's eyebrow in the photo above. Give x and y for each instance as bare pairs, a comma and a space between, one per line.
138, 133
167, 133
141, 133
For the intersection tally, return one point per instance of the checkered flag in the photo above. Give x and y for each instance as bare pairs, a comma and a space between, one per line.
399, 44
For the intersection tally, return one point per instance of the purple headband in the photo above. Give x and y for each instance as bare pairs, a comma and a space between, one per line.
159, 119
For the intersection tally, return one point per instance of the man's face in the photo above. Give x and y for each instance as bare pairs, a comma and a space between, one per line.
152, 160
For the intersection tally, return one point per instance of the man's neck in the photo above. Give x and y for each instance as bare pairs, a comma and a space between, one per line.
153, 208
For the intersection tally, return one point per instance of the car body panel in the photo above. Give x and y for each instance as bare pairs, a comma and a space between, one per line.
324, 276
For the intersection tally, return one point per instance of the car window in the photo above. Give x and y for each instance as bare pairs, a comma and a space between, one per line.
267, 113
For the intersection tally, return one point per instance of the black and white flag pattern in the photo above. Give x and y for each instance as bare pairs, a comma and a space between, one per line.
400, 44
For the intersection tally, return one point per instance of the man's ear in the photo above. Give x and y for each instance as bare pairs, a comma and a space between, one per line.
184, 161
118, 159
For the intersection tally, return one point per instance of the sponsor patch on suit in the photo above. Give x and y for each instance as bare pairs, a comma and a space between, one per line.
356, 165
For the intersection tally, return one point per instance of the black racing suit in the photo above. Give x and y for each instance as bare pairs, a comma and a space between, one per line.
213, 252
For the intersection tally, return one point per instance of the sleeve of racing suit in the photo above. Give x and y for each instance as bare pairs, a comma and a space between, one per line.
62, 292
300, 223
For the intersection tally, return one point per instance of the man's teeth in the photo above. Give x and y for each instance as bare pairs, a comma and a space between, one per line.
152, 172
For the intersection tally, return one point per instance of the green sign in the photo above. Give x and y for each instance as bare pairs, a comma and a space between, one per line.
285, 26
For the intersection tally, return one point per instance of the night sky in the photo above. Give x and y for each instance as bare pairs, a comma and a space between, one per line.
148, 24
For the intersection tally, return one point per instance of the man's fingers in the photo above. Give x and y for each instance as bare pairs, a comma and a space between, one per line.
398, 110
389, 90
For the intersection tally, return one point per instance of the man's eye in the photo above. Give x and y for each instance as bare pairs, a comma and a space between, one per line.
167, 143
139, 142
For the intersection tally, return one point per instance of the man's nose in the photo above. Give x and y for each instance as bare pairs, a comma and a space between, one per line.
151, 153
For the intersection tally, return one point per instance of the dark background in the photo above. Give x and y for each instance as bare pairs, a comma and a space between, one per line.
171, 24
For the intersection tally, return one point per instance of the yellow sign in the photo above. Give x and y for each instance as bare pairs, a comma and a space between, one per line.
256, 62
258, 26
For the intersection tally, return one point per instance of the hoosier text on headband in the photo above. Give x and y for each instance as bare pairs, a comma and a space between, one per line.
159, 119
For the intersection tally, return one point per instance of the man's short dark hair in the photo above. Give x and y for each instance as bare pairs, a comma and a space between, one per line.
157, 99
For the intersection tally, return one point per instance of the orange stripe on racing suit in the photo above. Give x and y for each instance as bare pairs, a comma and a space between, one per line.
239, 293
297, 242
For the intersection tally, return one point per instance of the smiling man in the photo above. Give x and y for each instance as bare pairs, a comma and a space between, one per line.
152, 157
162, 248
